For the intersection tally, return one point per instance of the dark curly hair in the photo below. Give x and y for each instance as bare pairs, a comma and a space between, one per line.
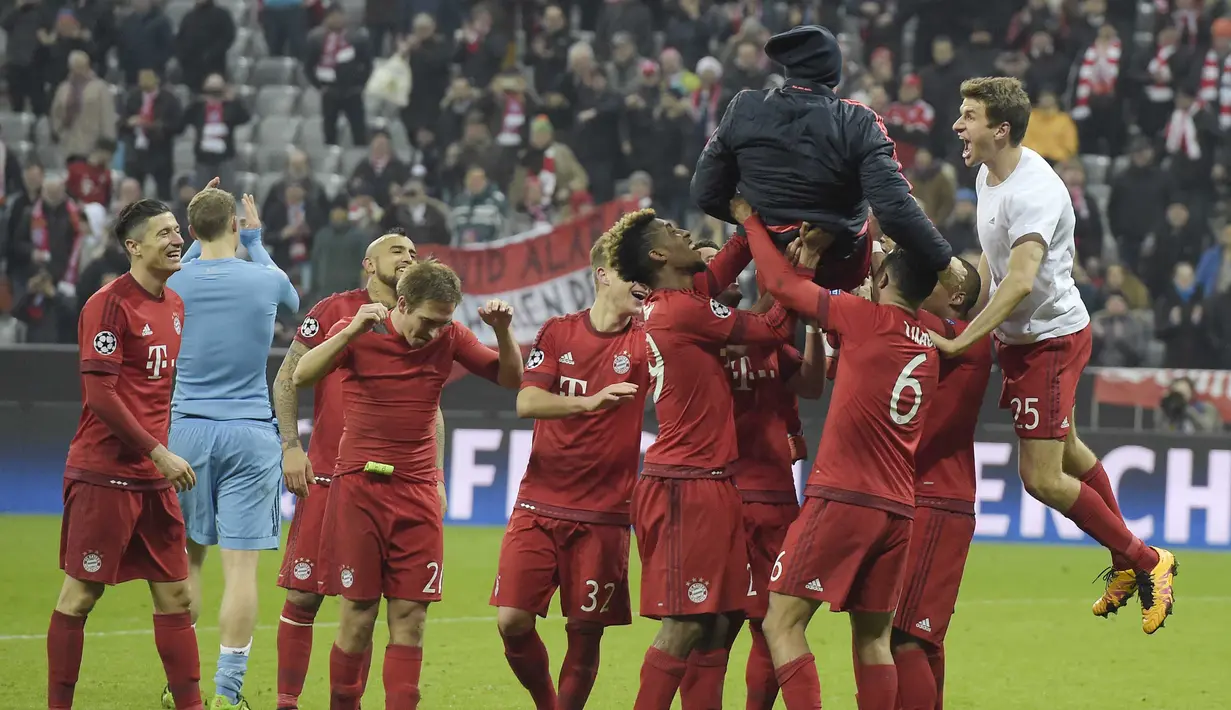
628, 247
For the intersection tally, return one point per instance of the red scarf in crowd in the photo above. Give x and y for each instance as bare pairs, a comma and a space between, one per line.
1160, 70
547, 175
146, 114
1181, 133
1215, 88
335, 43
512, 122
40, 239
1100, 69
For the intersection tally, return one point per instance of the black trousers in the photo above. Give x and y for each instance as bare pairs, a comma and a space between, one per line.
26, 91
351, 104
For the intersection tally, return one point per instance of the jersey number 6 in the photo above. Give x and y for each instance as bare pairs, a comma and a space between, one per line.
905, 382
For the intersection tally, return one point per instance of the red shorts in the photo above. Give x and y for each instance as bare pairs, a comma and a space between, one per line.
113, 535
387, 538
304, 566
765, 527
690, 536
851, 556
938, 550
587, 561
1040, 383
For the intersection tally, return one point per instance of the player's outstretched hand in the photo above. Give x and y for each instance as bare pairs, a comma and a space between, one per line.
251, 218
953, 277
297, 471
945, 346
174, 469
611, 396
497, 314
366, 318
740, 209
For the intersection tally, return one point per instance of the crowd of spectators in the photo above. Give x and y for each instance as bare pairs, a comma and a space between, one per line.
465, 122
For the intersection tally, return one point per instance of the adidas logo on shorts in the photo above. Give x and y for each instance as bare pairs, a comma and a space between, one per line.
925, 625
814, 586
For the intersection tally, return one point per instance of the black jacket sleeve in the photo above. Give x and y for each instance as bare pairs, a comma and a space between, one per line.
888, 192
716, 176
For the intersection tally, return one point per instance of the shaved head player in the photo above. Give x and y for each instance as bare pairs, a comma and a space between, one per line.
585, 384
304, 572
122, 519
686, 510
1043, 342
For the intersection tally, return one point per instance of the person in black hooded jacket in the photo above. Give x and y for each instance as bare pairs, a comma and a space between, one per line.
801, 154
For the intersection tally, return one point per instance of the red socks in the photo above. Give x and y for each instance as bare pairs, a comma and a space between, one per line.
878, 687
65, 639
367, 668
527, 657
759, 675
916, 683
1098, 521
580, 666
345, 679
177, 645
661, 674
801, 686
1097, 479
701, 687
294, 652
401, 675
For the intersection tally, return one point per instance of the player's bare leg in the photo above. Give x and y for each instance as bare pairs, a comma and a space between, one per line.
236, 620
701, 688
918, 686
876, 676
176, 640
357, 620
1081, 463
666, 660
526, 654
580, 666
196, 561
66, 638
295, 644
1041, 464
404, 654
785, 625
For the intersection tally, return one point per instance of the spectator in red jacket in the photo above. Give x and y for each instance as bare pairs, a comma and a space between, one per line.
89, 180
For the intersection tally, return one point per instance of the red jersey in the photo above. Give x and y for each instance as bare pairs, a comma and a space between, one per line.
126, 331
391, 392
327, 395
583, 467
945, 462
88, 183
764, 410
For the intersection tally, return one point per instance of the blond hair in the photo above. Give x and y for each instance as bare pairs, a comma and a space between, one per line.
429, 280
210, 213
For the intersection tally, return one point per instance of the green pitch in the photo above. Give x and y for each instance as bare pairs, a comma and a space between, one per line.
1023, 638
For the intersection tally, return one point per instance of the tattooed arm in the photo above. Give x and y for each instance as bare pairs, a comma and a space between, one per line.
296, 469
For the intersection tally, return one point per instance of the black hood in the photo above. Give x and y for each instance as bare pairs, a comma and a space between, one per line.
808, 52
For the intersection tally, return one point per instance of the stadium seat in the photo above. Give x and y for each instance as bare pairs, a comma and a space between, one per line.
16, 126
1101, 194
264, 184
174, 73
276, 100
245, 182
247, 96
278, 130
42, 133
325, 158
51, 157
333, 183
272, 158
182, 93
352, 157
176, 10
242, 46
239, 67
245, 156
274, 71
310, 102
1097, 168
185, 153
245, 133
23, 149
397, 134
1119, 165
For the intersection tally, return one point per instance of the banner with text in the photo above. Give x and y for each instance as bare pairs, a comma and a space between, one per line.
1146, 387
542, 273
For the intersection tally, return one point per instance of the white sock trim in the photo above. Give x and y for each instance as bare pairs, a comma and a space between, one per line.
233, 651
285, 620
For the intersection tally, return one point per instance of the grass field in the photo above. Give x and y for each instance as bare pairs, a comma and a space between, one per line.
1023, 638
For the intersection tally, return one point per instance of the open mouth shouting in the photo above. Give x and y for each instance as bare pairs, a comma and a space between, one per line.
640, 292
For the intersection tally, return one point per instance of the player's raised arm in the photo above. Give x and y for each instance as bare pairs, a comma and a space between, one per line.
504, 367
323, 359
725, 267
715, 178
1024, 261
790, 289
808, 380
250, 236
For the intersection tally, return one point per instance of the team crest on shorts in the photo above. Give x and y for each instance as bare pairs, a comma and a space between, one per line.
348, 577
302, 569
719, 309
698, 590
622, 364
535, 359
105, 342
175, 321
309, 327
92, 562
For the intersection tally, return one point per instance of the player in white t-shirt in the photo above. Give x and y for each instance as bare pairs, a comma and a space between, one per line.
1042, 330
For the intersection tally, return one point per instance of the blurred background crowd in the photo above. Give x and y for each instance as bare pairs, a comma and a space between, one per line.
467, 122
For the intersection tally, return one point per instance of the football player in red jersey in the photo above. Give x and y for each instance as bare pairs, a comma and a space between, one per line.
585, 384
122, 519
304, 572
848, 547
384, 507
686, 510
944, 502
